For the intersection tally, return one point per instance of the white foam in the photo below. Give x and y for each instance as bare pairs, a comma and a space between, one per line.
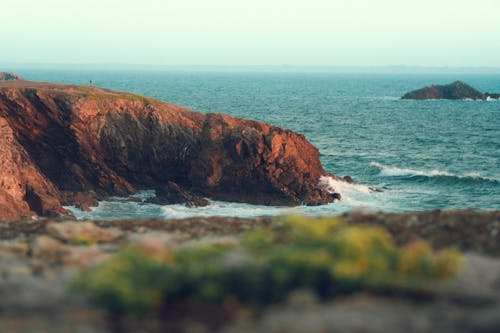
333, 185
221, 208
389, 98
354, 196
392, 171
473, 175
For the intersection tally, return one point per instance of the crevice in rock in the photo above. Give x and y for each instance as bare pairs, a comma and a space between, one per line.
33, 200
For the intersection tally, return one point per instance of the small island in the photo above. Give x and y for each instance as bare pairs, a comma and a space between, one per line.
453, 91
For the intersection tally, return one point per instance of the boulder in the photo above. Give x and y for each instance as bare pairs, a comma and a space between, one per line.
349, 180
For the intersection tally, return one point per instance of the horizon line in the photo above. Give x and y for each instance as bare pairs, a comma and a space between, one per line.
289, 67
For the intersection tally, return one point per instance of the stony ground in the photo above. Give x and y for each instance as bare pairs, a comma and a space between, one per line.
39, 258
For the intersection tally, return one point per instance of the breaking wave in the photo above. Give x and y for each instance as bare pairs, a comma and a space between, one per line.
221, 208
392, 171
353, 195
333, 185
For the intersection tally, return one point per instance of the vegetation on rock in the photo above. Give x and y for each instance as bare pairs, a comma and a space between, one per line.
325, 256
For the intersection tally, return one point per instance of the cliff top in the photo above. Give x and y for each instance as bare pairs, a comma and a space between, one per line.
77, 90
21, 83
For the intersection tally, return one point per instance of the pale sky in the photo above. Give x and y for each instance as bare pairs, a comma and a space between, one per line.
252, 32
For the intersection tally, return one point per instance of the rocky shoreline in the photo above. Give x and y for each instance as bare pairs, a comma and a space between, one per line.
63, 144
75, 145
39, 258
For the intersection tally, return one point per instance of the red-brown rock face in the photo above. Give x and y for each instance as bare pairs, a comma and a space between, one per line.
24, 190
248, 161
75, 138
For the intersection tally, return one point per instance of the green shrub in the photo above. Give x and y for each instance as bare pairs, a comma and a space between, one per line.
322, 255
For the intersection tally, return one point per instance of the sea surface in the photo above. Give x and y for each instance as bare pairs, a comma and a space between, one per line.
422, 155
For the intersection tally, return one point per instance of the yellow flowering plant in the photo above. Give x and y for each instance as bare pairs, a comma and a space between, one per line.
321, 254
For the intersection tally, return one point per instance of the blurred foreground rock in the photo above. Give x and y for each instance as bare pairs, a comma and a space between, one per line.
38, 259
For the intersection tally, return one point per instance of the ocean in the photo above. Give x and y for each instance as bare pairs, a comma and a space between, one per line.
421, 155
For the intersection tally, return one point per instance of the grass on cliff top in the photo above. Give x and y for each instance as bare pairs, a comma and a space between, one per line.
322, 255
100, 94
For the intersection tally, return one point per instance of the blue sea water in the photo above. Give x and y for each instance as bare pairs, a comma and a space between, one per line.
423, 155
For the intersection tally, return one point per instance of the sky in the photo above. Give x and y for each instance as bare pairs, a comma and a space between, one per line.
451, 33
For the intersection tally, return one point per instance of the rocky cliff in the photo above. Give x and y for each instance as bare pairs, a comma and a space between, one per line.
455, 90
56, 139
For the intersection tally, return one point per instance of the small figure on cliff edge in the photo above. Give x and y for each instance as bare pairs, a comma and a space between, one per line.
91, 83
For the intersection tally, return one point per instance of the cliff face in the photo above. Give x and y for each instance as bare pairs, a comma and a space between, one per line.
455, 90
248, 161
24, 190
77, 138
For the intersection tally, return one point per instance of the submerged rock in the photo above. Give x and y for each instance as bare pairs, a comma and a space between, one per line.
172, 193
80, 139
455, 90
81, 200
349, 179
492, 96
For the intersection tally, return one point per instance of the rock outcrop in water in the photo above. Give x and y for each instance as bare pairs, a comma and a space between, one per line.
172, 193
455, 90
9, 76
64, 139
